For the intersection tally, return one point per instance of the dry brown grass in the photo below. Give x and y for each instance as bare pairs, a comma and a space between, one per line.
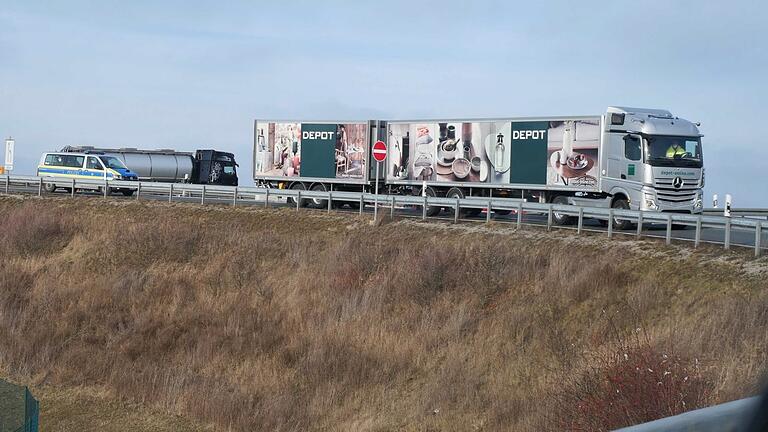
268, 320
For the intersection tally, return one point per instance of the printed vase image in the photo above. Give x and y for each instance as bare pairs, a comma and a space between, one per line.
572, 148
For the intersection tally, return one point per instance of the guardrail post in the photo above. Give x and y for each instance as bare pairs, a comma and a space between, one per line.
170, 193
234, 198
202, 196
7, 184
519, 215
727, 243
697, 239
266, 199
106, 188
488, 211
298, 199
639, 224
669, 229
138, 191
392, 209
581, 220
330, 200
758, 238
73, 188
549, 217
456, 213
424, 209
610, 223
362, 202
40, 187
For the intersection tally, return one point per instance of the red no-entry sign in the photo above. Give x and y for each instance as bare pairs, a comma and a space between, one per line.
379, 151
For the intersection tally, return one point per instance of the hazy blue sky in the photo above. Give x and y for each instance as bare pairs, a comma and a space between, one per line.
187, 74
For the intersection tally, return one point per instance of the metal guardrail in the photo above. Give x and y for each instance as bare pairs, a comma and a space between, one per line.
240, 193
743, 212
733, 416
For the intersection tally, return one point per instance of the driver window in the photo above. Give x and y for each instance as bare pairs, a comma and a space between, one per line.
93, 163
632, 148
691, 148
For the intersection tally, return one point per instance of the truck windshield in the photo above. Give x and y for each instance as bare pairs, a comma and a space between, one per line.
667, 150
113, 162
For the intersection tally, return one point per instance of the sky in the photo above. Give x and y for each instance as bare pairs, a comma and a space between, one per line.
194, 74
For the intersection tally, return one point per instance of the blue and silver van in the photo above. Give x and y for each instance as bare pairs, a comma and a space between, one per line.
80, 166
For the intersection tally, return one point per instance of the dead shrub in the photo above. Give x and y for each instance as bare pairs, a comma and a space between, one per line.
29, 230
631, 382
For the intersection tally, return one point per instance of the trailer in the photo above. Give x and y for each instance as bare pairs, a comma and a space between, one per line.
199, 167
624, 158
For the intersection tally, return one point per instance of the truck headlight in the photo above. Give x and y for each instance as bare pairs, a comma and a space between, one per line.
117, 177
650, 202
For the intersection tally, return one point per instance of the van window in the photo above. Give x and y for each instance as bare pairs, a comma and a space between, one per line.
73, 161
93, 163
50, 160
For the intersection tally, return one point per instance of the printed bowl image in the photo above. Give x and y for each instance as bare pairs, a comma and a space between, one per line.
476, 161
461, 168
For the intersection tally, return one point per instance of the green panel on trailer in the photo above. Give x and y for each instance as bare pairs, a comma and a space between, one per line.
318, 145
529, 152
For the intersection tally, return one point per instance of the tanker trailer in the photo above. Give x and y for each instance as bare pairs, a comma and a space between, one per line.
200, 167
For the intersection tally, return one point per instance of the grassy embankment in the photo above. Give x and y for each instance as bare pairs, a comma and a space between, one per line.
181, 317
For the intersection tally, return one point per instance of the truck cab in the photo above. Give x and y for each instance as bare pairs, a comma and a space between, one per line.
651, 160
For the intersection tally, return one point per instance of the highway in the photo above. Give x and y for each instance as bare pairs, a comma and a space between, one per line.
739, 238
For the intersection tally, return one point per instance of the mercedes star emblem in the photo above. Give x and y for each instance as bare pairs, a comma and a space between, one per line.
677, 182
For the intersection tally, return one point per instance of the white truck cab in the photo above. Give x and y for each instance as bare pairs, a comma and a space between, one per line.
653, 160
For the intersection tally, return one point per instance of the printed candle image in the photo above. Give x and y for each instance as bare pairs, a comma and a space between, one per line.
572, 152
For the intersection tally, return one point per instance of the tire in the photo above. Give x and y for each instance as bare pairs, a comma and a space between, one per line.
298, 186
127, 192
50, 188
354, 205
621, 224
432, 211
458, 193
503, 212
317, 202
560, 218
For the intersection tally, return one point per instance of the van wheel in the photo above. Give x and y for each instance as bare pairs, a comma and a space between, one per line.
558, 218
50, 187
618, 223
128, 192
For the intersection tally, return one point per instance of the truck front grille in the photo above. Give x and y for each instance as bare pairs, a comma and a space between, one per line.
666, 192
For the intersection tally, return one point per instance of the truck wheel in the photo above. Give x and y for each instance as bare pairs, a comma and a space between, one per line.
458, 193
558, 218
618, 223
318, 203
127, 192
50, 188
298, 186
431, 210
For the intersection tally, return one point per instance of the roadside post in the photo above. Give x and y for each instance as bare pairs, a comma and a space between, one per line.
727, 208
9, 150
379, 154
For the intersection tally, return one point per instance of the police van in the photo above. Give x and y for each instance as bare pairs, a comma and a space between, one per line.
80, 166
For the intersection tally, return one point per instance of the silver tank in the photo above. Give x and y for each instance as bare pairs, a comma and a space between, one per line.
151, 165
